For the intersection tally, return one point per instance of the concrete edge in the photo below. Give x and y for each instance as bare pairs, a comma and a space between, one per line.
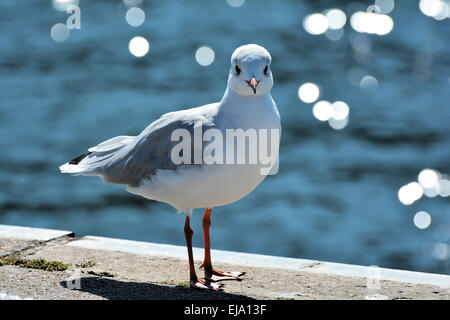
29, 233
264, 261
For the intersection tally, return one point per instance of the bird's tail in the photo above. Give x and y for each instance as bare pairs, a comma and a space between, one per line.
91, 163
85, 168
72, 166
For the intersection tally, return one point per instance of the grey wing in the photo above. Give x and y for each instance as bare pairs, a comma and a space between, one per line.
151, 150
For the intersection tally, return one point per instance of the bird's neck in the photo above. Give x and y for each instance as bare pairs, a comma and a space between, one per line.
231, 99
248, 111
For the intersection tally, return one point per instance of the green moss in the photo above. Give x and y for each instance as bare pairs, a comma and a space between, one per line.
101, 274
35, 264
184, 284
86, 264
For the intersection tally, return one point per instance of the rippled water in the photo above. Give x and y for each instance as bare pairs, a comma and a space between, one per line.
335, 197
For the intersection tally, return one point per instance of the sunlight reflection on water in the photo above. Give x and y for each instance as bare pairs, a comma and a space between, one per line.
339, 193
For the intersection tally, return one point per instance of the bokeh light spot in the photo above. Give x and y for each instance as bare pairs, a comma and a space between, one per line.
235, 3
369, 83
441, 251
437, 9
428, 178
385, 6
62, 5
315, 24
322, 110
308, 92
59, 32
135, 16
443, 188
410, 193
204, 56
422, 220
373, 8
139, 46
338, 124
340, 110
336, 18
372, 23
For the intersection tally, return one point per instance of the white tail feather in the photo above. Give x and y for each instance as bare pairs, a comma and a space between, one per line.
75, 170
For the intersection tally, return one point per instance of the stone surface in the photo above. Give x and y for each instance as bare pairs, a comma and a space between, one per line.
133, 270
27, 233
10, 246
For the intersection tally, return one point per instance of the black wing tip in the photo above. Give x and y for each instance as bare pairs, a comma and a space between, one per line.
78, 159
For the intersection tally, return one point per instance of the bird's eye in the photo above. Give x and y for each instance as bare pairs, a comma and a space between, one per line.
266, 69
238, 70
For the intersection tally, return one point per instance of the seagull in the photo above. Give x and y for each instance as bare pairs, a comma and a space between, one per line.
145, 163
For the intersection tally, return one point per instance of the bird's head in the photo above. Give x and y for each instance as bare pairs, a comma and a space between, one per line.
250, 73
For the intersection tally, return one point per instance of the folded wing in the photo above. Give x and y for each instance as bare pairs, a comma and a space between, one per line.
128, 159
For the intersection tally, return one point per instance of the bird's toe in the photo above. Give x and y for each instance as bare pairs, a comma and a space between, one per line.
200, 284
218, 275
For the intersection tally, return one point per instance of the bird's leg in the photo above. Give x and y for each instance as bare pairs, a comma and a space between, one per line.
195, 282
213, 274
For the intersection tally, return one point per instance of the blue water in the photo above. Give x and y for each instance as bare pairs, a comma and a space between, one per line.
335, 196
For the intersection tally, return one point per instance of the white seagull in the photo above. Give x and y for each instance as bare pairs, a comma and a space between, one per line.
145, 162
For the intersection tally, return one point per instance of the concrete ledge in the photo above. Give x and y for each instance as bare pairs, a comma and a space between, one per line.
263, 261
108, 268
180, 252
27, 233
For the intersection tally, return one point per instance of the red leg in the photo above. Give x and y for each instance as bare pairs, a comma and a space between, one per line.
213, 274
195, 282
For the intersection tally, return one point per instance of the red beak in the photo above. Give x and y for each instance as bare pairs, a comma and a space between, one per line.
253, 83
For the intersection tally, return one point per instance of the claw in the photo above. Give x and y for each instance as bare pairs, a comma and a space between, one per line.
218, 275
201, 284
